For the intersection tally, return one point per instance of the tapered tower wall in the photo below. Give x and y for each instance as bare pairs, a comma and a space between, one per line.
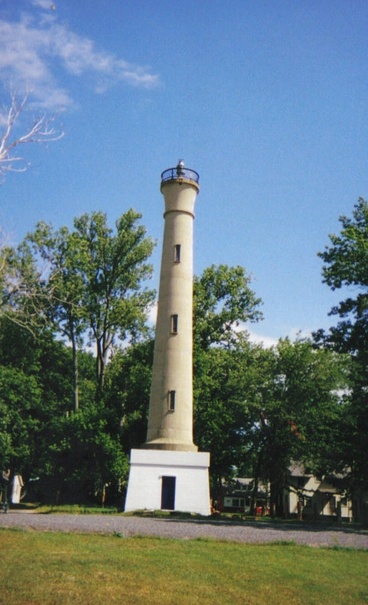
170, 423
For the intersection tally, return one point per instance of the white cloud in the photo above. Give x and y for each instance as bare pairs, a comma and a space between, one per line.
152, 316
45, 4
259, 339
269, 341
32, 51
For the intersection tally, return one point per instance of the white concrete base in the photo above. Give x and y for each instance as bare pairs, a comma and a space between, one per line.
166, 479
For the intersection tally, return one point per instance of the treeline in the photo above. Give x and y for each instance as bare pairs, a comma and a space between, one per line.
76, 355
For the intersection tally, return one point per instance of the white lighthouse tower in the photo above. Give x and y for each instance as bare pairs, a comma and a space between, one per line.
168, 472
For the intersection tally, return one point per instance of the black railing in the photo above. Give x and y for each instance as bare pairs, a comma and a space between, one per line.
179, 172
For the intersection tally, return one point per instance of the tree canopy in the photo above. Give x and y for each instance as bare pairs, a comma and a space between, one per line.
223, 300
346, 268
93, 283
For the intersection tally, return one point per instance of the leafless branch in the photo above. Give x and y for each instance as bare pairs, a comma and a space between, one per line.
41, 131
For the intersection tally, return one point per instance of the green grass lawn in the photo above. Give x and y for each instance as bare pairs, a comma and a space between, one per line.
39, 568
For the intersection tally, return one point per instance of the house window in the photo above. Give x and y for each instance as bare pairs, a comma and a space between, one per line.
174, 324
177, 251
172, 398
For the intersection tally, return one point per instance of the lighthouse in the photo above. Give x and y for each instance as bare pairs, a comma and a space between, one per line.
168, 472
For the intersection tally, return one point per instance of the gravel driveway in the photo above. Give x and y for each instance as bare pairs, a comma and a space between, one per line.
188, 529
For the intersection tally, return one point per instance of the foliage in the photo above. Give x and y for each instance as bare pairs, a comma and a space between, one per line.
76, 456
94, 283
83, 458
299, 404
223, 300
86, 285
21, 295
257, 410
224, 380
127, 392
20, 396
31, 392
346, 266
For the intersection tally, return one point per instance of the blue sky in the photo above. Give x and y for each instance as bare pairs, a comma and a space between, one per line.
266, 99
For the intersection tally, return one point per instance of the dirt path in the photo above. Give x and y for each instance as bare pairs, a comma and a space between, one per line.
247, 532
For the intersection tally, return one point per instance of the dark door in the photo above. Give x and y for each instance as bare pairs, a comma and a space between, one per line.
168, 493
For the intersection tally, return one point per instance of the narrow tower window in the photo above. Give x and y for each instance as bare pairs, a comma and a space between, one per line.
174, 324
172, 398
177, 251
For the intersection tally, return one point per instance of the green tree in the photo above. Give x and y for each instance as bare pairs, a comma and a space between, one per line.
20, 396
21, 293
127, 392
224, 384
223, 301
84, 459
346, 268
78, 456
299, 404
94, 283
34, 389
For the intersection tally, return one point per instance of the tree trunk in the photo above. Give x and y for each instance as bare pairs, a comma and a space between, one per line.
75, 370
103, 346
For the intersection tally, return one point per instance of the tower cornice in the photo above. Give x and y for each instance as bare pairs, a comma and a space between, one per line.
180, 211
180, 181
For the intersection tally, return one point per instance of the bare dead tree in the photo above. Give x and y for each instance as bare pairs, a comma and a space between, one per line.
41, 131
